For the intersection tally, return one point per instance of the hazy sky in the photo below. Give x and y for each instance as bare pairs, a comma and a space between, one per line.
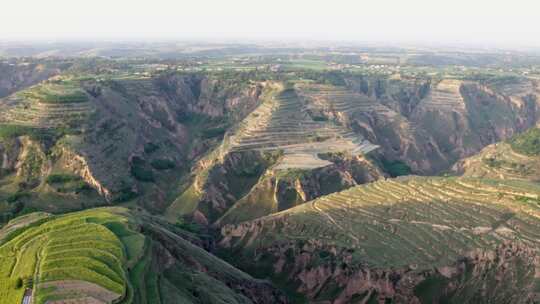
470, 21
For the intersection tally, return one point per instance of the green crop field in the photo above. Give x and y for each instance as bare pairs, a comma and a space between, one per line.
58, 93
62, 248
102, 254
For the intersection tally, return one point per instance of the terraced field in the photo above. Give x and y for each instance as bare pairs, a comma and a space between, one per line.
282, 123
516, 88
500, 161
48, 105
339, 99
409, 221
111, 255
65, 257
445, 95
407, 240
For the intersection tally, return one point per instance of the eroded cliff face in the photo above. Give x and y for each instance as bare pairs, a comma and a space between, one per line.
329, 274
9, 152
176, 118
219, 183
278, 190
32, 163
25, 158
70, 161
38, 175
132, 138
432, 124
18, 75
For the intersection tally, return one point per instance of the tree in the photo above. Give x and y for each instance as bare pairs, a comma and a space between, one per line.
18, 283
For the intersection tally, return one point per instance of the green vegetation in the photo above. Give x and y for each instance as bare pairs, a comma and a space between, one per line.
141, 171
64, 257
125, 194
9, 131
162, 164
59, 92
527, 143
17, 196
61, 178
373, 225
58, 248
492, 162
188, 225
173, 113
214, 132
150, 148
396, 168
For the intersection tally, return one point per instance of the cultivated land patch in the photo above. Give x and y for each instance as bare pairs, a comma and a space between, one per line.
281, 122
339, 100
401, 222
500, 161
63, 257
446, 96
113, 255
94, 293
52, 104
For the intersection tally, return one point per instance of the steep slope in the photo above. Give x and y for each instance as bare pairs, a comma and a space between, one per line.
279, 136
74, 124
112, 255
407, 240
19, 74
278, 189
427, 123
517, 158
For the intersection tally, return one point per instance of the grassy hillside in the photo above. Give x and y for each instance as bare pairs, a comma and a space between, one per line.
517, 158
409, 228
527, 143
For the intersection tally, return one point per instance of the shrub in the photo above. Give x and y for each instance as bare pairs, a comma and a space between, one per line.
188, 226
19, 283
126, 193
140, 171
492, 162
150, 148
396, 168
17, 196
61, 178
211, 133
162, 164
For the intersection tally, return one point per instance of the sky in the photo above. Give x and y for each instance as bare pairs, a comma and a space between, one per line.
490, 22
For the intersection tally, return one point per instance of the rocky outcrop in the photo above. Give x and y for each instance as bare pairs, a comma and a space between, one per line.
9, 152
70, 161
